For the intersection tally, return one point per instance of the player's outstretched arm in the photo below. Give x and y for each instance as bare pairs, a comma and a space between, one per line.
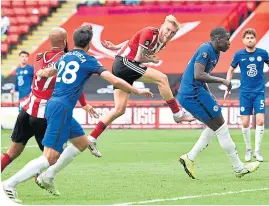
123, 85
48, 72
111, 46
229, 78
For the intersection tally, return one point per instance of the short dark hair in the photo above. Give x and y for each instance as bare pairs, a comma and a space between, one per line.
82, 36
24, 52
218, 32
249, 31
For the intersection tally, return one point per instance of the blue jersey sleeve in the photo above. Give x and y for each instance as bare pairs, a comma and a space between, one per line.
235, 61
16, 83
94, 66
266, 58
203, 55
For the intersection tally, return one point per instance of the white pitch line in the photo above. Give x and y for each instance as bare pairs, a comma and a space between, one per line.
27, 146
194, 196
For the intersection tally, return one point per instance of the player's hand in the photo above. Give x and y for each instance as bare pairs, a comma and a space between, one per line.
39, 73
12, 91
228, 84
144, 92
154, 59
109, 45
93, 114
227, 94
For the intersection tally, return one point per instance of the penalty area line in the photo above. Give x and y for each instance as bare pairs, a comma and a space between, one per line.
194, 196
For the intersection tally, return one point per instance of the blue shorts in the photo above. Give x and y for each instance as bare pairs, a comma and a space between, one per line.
250, 101
61, 126
202, 105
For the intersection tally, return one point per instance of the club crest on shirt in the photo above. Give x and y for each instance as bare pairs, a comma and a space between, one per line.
215, 108
147, 43
204, 55
259, 58
251, 59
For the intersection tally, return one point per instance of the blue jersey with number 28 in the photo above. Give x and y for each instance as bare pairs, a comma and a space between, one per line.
74, 69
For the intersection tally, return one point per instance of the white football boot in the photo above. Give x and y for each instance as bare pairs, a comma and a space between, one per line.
248, 155
92, 147
11, 193
47, 184
258, 156
182, 116
248, 168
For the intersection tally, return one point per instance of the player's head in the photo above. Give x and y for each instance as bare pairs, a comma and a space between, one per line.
221, 38
58, 39
169, 28
249, 38
24, 56
82, 37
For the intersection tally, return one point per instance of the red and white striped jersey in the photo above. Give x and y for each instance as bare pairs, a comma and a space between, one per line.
147, 37
42, 88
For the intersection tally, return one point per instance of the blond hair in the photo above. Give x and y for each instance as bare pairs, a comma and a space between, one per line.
172, 19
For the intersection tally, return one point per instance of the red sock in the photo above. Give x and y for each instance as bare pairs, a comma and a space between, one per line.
5, 161
172, 103
100, 127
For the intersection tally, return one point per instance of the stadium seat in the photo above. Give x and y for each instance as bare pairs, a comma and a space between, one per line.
8, 12
13, 38
44, 3
34, 20
44, 11
24, 29
32, 11
20, 11
18, 4
6, 4
54, 3
23, 20
13, 30
13, 21
30, 3
4, 48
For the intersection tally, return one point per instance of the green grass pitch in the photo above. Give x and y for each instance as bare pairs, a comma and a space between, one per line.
142, 165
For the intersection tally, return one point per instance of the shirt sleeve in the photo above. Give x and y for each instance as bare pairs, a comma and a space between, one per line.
266, 58
146, 37
16, 83
203, 55
235, 61
95, 66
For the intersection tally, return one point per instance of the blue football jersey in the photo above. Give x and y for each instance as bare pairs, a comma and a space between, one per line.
73, 70
205, 55
24, 78
251, 67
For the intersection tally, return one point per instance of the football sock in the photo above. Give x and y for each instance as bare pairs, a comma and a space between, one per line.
258, 137
172, 103
5, 161
228, 146
66, 158
246, 135
203, 141
31, 169
99, 128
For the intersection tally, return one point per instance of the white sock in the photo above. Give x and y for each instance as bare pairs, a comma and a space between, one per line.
258, 137
246, 135
66, 158
228, 146
31, 169
203, 141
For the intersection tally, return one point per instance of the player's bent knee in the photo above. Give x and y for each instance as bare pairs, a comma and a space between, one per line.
260, 122
51, 155
119, 111
81, 143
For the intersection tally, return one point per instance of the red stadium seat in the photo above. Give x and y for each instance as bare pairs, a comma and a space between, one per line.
18, 4
30, 3
44, 11
13, 30
8, 12
13, 21
34, 20
33, 11
44, 3
24, 29
4, 48
13, 38
23, 20
54, 3
20, 11
6, 4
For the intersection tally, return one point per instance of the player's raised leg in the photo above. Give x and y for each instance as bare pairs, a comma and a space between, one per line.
156, 77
